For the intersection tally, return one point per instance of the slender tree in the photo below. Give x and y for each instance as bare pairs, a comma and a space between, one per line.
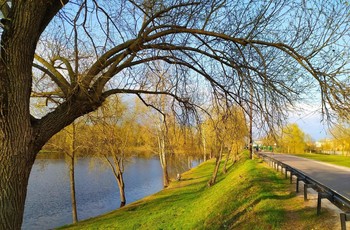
66, 142
218, 124
113, 128
236, 133
72, 156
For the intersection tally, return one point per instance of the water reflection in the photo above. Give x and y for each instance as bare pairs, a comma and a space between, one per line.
48, 202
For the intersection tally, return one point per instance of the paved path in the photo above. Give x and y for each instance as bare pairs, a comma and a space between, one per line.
334, 177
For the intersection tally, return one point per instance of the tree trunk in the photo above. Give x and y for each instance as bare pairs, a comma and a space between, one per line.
17, 147
20, 141
15, 169
189, 162
165, 170
71, 156
120, 179
236, 155
163, 161
118, 170
224, 170
121, 186
204, 147
212, 180
72, 188
251, 124
165, 177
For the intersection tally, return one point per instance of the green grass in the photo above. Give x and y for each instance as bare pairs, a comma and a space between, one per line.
249, 196
332, 159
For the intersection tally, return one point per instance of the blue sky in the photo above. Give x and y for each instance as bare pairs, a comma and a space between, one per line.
309, 119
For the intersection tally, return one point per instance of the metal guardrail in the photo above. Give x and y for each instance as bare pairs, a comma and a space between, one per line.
323, 191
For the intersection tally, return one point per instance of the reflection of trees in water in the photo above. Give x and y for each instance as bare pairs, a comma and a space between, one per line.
181, 163
178, 163
42, 164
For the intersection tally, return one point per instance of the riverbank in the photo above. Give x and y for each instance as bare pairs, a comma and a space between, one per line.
249, 196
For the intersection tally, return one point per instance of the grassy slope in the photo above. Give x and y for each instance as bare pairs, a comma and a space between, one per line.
332, 159
250, 196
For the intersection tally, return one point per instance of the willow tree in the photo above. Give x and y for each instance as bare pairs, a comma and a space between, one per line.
292, 139
273, 49
340, 134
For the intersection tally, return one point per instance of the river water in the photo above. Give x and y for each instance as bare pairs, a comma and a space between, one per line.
48, 202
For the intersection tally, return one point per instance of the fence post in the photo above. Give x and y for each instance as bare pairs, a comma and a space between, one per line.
343, 221
306, 186
297, 185
319, 197
285, 173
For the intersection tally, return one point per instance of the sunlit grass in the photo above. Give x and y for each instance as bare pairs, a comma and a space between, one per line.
249, 196
332, 159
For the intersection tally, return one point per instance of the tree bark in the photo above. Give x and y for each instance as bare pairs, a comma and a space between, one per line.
71, 156
212, 180
251, 124
165, 176
72, 188
121, 186
118, 170
224, 170
14, 174
163, 161
120, 179
204, 147
19, 140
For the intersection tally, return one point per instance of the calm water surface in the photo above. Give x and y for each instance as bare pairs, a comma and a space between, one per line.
48, 203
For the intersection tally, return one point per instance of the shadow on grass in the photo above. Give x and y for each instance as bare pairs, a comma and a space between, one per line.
249, 206
191, 178
276, 218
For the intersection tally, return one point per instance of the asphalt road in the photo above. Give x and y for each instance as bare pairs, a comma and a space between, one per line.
334, 177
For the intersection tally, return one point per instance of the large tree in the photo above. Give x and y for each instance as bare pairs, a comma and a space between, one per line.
88, 50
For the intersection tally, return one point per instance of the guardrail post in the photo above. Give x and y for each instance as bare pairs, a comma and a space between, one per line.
343, 218
286, 173
291, 176
297, 185
306, 186
343, 221
319, 197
